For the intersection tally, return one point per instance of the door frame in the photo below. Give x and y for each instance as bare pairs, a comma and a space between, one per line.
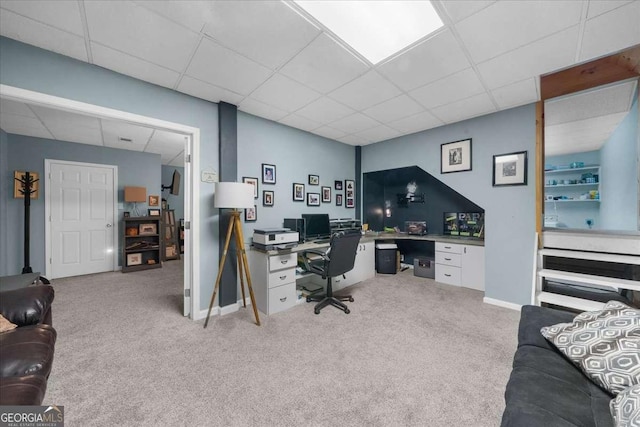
191, 277
47, 210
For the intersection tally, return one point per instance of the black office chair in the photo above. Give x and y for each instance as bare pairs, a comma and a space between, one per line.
336, 261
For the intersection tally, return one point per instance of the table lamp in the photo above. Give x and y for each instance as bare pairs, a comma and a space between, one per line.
236, 196
135, 195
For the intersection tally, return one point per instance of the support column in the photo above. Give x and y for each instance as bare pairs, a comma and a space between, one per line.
358, 182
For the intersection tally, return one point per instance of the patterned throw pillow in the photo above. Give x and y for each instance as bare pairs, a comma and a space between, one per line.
625, 408
5, 325
604, 344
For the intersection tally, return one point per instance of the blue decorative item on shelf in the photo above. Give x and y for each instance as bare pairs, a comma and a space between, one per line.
576, 165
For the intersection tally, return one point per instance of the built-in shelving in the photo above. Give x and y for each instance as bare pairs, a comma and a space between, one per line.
141, 246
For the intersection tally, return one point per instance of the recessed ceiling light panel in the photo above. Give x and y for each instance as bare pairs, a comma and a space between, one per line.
375, 29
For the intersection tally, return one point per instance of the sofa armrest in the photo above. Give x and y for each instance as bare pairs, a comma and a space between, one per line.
27, 306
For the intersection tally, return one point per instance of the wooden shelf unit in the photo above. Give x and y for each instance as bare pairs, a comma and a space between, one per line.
146, 246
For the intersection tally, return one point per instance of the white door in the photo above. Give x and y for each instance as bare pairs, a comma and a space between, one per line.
81, 213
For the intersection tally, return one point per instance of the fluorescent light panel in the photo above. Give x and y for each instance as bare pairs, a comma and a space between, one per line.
376, 29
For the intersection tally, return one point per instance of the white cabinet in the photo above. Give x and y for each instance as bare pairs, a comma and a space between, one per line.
460, 265
274, 281
363, 268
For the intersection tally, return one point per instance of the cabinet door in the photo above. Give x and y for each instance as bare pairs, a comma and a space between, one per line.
473, 267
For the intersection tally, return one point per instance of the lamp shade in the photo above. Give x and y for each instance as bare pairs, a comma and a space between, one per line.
135, 194
233, 195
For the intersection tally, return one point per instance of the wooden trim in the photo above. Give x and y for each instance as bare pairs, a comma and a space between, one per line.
539, 167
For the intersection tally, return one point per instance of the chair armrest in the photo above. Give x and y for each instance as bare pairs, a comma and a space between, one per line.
27, 306
305, 257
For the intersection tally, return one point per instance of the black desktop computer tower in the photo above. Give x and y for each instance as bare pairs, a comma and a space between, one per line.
295, 224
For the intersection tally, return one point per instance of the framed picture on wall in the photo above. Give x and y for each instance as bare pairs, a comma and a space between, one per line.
298, 192
314, 180
338, 199
351, 203
154, 200
252, 181
326, 194
455, 156
313, 199
510, 169
268, 174
267, 198
251, 214
337, 185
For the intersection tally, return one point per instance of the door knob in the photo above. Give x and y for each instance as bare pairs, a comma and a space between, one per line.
109, 225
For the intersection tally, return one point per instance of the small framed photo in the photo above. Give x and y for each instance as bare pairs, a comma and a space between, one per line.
267, 198
337, 185
268, 174
252, 181
314, 180
313, 199
134, 259
251, 214
146, 229
351, 202
349, 185
154, 200
455, 156
338, 199
510, 169
298, 192
164, 204
126, 215
326, 194
153, 212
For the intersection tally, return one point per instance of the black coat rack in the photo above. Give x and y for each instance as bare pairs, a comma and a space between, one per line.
26, 189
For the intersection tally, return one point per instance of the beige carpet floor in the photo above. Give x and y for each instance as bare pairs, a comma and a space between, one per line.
411, 353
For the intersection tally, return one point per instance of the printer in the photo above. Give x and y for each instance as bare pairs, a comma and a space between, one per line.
268, 239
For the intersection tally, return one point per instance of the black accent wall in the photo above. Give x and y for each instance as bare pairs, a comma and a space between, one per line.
384, 187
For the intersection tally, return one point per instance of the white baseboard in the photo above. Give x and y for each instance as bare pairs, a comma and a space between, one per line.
501, 303
217, 311
202, 314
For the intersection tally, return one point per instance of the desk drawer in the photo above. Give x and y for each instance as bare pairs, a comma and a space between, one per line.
280, 262
448, 274
448, 259
282, 298
448, 247
278, 278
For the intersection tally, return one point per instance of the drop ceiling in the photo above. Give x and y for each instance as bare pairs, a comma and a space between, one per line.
273, 60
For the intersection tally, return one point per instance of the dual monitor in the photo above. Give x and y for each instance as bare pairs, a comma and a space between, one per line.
310, 227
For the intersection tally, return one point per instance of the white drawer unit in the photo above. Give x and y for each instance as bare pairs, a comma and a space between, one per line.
448, 274
274, 280
449, 247
281, 298
278, 278
279, 262
448, 259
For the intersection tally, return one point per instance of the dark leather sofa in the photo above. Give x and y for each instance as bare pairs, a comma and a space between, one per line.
26, 352
545, 388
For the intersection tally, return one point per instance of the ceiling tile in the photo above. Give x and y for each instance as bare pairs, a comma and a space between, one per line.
460, 9
324, 110
354, 140
12, 123
379, 133
365, 91
178, 160
167, 153
598, 7
516, 94
140, 33
284, 93
450, 89
543, 56
507, 25
393, 109
329, 132
112, 130
465, 109
193, 17
260, 109
199, 89
132, 66
324, 65
46, 37
433, 59
416, 123
612, 31
78, 134
299, 122
222, 67
354, 123
166, 138
268, 32
62, 14
14, 128
8, 106
53, 117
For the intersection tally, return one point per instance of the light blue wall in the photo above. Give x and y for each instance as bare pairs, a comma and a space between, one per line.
572, 215
175, 202
619, 206
296, 154
28, 153
510, 211
38, 70
6, 186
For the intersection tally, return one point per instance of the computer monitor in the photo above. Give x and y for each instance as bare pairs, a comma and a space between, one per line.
316, 226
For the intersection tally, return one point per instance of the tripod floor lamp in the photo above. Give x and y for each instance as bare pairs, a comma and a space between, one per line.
236, 196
